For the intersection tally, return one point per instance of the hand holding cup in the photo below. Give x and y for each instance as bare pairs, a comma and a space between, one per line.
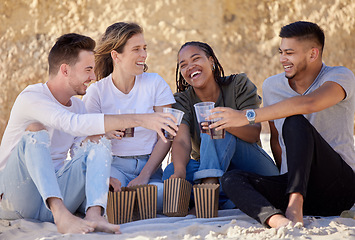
178, 116
158, 121
202, 110
228, 117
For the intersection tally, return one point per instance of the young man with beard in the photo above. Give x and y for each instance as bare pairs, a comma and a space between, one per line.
45, 122
310, 108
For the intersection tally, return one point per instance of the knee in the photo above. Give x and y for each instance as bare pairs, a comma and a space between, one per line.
294, 124
294, 120
39, 136
99, 151
35, 127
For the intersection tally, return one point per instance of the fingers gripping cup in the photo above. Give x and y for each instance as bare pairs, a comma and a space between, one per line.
202, 110
213, 132
128, 132
178, 115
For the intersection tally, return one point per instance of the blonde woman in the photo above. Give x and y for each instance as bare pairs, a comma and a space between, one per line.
123, 84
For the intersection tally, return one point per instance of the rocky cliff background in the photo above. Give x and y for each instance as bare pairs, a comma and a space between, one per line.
243, 33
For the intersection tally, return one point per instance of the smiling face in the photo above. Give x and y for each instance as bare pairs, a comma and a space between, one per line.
196, 67
82, 72
133, 57
294, 57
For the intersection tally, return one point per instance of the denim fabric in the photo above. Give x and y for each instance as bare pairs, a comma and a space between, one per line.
232, 153
220, 155
127, 168
191, 168
29, 178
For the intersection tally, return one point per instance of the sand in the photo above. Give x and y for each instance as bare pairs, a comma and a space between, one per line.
230, 224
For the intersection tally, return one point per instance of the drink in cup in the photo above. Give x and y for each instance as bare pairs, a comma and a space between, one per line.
202, 110
213, 132
128, 132
201, 124
216, 134
168, 136
178, 115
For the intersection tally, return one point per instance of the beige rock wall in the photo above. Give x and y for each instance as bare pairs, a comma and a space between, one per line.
244, 34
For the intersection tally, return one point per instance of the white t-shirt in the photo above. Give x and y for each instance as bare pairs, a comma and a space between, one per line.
66, 125
335, 124
149, 90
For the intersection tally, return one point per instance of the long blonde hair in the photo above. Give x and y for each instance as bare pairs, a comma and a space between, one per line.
114, 38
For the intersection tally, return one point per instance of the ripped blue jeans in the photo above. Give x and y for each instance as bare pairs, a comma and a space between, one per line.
29, 178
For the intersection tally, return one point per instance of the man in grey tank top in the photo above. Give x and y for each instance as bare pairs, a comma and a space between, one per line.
310, 108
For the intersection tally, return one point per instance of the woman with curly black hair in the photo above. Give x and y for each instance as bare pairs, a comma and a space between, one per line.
200, 78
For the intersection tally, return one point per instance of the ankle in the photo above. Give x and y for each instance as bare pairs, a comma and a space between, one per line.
295, 201
212, 180
294, 210
94, 211
56, 206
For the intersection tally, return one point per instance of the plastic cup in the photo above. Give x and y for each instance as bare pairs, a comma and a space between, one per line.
178, 115
128, 132
202, 110
213, 132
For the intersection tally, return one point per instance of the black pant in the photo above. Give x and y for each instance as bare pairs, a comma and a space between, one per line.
315, 170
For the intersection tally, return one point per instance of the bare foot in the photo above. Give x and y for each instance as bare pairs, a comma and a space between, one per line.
294, 210
277, 221
93, 214
210, 180
67, 222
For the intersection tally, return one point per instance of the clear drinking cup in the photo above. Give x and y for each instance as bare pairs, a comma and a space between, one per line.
213, 132
128, 132
202, 110
178, 115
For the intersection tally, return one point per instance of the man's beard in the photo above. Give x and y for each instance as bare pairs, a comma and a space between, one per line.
300, 68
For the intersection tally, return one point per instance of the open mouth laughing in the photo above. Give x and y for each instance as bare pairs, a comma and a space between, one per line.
195, 74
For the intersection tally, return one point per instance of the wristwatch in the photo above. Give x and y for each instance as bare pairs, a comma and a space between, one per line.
250, 114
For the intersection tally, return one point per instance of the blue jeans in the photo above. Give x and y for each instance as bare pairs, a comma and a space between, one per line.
29, 178
219, 155
127, 168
